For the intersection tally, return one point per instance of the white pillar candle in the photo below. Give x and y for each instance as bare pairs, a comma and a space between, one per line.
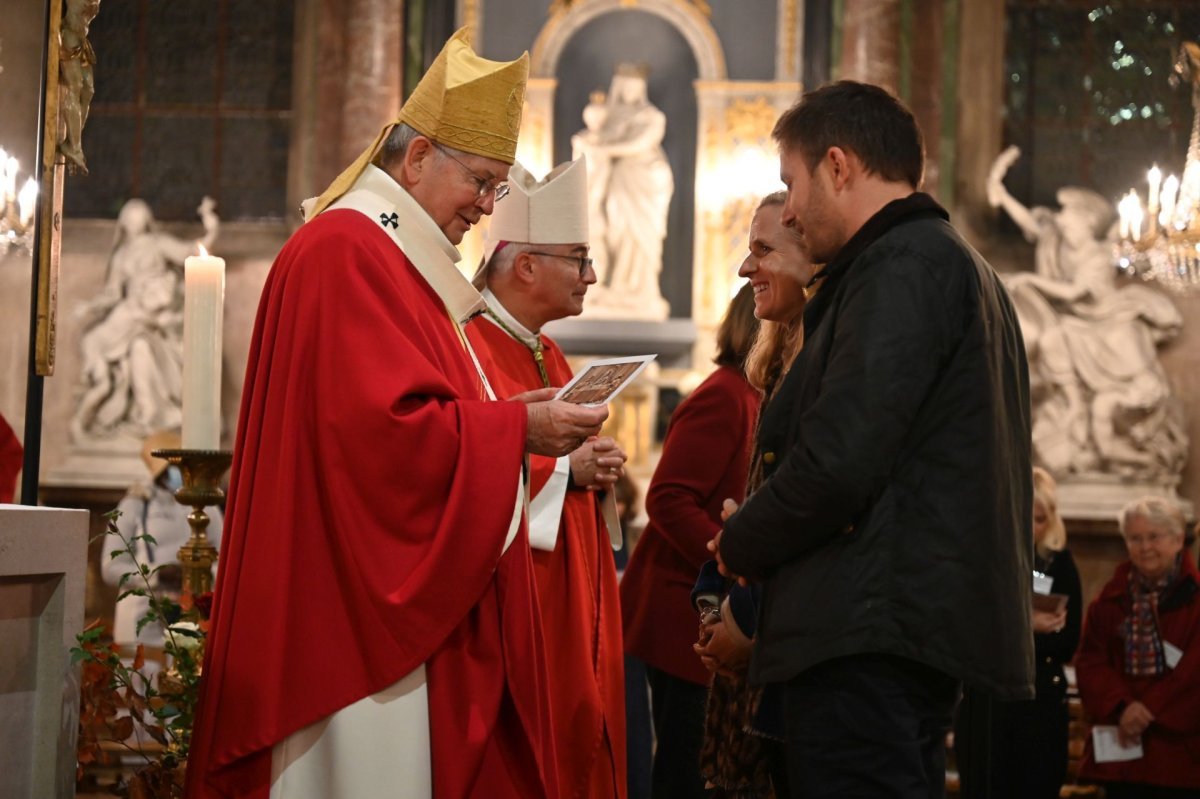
203, 305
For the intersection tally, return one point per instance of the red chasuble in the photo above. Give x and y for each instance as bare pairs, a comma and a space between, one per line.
371, 493
577, 586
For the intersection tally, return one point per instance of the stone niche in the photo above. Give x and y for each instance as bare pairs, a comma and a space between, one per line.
43, 557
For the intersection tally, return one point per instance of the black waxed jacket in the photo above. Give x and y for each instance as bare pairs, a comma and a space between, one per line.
897, 508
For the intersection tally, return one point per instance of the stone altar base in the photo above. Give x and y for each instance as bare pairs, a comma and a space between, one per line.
43, 561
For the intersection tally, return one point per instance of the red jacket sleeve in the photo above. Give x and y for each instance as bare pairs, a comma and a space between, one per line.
1175, 698
1102, 686
708, 432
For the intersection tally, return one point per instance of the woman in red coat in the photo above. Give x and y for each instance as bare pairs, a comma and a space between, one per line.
1139, 663
704, 461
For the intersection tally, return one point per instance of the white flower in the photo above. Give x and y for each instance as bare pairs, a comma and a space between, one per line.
187, 635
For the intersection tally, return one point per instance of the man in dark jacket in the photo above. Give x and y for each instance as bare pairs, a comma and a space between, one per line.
893, 531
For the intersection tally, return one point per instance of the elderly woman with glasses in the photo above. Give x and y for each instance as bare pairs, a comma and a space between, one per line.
1138, 665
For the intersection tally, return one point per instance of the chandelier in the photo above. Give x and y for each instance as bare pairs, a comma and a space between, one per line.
1160, 240
16, 210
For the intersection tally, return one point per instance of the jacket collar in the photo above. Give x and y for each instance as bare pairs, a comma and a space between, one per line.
915, 206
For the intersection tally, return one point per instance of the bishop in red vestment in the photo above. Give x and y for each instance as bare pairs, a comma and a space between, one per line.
528, 285
376, 591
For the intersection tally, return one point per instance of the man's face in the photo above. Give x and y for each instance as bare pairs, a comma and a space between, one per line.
777, 267
810, 208
449, 189
561, 285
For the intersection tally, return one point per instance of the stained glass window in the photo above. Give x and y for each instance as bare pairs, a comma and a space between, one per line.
193, 97
1089, 100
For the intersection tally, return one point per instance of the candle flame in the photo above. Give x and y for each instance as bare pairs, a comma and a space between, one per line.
203, 252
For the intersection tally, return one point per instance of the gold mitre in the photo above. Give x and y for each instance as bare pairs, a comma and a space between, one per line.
463, 101
470, 103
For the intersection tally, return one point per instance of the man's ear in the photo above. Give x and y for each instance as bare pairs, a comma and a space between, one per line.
844, 167
417, 160
522, 268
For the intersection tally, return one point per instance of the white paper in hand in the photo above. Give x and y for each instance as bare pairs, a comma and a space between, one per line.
1107, 747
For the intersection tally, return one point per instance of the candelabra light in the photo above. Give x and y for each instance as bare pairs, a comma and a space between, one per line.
202, 472
1160, 240
16, 208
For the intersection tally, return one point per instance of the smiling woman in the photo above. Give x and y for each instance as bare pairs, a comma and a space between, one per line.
1140, 657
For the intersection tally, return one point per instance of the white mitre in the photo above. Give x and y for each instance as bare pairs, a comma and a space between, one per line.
548, 211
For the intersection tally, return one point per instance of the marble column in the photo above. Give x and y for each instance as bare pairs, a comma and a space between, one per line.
871, 42
925, 84
348, 82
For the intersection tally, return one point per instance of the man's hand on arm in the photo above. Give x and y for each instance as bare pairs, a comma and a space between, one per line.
556, 427
598, 464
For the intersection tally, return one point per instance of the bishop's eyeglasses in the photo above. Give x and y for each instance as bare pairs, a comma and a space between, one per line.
483, 186
582, 261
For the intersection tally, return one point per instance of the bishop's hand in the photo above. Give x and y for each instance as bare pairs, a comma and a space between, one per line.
556, 427
598, 464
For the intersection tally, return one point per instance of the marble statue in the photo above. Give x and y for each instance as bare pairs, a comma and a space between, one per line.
76, 87
630, 188
132, 342
1102, 402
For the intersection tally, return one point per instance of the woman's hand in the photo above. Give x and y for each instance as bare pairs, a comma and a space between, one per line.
1134, 720
1046, 622
720, 651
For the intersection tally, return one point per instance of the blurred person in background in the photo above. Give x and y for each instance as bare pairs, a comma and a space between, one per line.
704, 460
1029, 739
1138, 666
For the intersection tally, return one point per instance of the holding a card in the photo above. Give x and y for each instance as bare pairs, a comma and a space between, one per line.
1139, 662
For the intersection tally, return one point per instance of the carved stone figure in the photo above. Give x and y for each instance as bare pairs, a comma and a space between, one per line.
631, 188
75, 61
132, 344
1102, 403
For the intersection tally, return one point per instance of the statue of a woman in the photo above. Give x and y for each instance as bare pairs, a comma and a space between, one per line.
132, 344
626, 146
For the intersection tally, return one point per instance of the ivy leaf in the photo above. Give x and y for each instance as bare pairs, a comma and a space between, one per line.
116, 553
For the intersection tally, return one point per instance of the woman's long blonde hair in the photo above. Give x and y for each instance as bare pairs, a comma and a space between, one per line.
1045, 491
778, 343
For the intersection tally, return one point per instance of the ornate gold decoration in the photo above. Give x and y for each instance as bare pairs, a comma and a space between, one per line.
788, 26
202, 472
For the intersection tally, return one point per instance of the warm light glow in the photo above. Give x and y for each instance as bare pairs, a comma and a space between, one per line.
750, 173
27, 201
1154, 178
203, 252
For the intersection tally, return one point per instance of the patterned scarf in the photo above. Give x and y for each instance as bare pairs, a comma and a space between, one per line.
1143, 645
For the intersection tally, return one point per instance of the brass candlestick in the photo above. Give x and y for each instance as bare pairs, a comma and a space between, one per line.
202, 472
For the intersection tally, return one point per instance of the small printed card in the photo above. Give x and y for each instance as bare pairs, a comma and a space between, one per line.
599, 382
1107, 747
1050, 603
1171, 654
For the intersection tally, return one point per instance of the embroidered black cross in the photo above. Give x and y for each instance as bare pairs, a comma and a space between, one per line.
389, 219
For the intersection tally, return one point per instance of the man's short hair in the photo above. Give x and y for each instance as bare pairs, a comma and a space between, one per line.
503, 258
859, 118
